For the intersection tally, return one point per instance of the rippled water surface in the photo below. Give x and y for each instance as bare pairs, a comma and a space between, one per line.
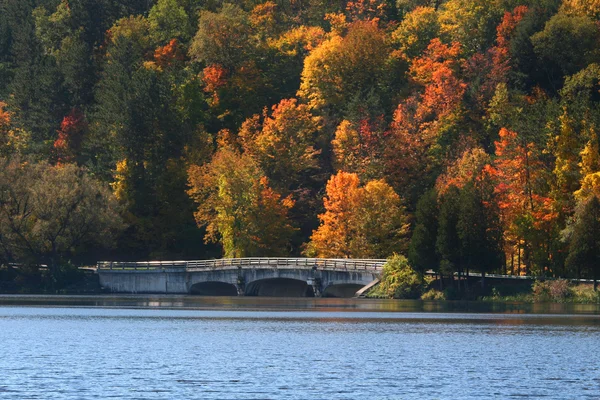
157, 353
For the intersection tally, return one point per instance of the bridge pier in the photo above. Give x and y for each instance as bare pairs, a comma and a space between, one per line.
241, 285
240, 282
316, 286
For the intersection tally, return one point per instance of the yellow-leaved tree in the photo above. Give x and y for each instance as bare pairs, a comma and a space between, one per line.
359, 221
283, 143
344, 67
238, 207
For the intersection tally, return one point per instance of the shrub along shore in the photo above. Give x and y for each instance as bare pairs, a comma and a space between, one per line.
400, 281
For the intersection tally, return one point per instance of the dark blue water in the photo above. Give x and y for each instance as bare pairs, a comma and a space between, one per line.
88, 353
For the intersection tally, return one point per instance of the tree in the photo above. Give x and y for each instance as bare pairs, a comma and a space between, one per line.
422, 253
425, 126
466, 169
335, 235
64, 42
49, 214
147, 120
360, 147
527, 72
416, 31
366, 9
283, 143
382, 221
399, 280
566, 148
223, 37
591, 8
37, 96
590, 170
359, 222
470, 22
566, 45
238, 207
405, 6
13, 141
168, 20
527, 213
479, 230
70, 136
343, 67
584, 247
486, 70
448, 243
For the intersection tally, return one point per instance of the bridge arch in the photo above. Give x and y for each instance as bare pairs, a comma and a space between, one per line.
213, 288
279, 287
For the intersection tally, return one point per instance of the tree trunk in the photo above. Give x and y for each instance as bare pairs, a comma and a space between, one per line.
483, 281
519, 260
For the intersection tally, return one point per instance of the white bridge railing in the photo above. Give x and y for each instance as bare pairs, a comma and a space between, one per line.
342, 264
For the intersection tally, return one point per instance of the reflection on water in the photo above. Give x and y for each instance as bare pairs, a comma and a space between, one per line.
179, 347
283, 303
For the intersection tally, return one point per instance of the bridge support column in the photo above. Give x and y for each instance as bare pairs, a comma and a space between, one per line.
241, 284
316, 286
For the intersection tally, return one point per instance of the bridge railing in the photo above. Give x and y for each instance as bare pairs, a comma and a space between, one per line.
225, 263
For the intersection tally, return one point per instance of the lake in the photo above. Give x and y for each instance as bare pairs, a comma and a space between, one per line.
183, 347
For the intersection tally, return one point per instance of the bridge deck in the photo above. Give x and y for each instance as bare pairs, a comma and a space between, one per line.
235, 263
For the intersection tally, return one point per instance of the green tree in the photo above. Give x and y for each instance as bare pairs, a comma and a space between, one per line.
479, 231
566, 45
49, 214
448, 243
472, 23
422, 252
168, 20
399, 280
416, 30
584, 248
147, 121
223, 37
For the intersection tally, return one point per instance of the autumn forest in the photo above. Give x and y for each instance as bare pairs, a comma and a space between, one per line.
462, 134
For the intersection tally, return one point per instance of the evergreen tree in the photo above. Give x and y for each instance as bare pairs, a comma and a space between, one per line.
422, 253
584, 249
448, 243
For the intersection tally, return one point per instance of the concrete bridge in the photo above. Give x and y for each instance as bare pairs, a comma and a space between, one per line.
290, 277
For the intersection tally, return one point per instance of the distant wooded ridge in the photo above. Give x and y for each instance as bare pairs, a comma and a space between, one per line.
460, 133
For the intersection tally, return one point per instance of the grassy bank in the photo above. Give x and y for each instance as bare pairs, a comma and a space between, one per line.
556, 291
549, 291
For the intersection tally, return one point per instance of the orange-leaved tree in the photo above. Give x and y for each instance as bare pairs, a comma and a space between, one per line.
359, 222
283, 142
527, 214
426, 122
13, 140
360, 147
70, 136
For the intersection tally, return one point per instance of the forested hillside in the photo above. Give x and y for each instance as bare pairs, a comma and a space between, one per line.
462, 133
